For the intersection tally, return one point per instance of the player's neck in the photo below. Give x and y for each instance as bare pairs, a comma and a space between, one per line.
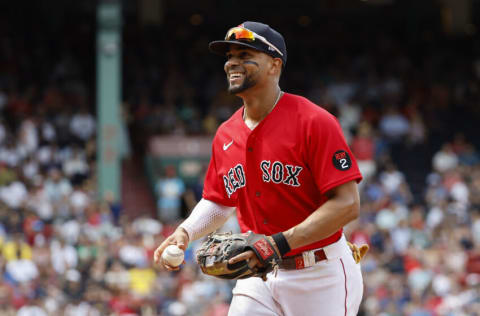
258, 106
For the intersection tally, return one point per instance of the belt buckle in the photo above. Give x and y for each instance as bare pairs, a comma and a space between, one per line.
308, 258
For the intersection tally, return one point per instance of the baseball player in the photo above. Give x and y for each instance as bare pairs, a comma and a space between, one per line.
283, 164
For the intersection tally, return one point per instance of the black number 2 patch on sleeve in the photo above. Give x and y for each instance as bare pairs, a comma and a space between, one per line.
341, 160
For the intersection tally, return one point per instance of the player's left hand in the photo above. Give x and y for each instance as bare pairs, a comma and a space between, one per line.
250, 257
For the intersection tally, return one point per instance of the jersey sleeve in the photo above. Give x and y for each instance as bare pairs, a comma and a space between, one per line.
214, 187
329, 157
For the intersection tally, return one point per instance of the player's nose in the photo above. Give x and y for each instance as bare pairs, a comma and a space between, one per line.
231, 63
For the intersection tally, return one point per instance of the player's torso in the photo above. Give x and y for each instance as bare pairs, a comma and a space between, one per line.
266, 171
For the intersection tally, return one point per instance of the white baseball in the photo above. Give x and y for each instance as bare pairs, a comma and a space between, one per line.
173, 255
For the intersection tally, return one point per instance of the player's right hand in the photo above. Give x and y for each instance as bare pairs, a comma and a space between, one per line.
179, 238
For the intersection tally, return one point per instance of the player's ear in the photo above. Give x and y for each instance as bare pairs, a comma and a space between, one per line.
276, 65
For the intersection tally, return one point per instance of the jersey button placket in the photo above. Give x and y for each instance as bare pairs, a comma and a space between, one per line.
251, 142
250, 145
252, 169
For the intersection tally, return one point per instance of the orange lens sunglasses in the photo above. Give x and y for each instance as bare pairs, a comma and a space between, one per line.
241, 33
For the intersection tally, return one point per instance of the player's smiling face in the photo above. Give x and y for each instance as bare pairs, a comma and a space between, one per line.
243, 68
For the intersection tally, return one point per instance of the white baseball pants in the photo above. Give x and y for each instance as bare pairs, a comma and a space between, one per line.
332, 287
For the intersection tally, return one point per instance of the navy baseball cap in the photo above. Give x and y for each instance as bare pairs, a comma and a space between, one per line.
254, 35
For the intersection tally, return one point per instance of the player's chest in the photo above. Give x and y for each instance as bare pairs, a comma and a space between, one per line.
268, 160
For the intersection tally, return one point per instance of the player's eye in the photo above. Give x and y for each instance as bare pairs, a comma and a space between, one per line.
245, 55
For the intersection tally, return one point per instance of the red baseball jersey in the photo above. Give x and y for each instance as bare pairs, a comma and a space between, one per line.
277, 174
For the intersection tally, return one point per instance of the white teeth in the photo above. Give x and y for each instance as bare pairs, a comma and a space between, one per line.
235, 75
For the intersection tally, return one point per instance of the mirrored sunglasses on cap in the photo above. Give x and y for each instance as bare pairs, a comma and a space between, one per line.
240, 33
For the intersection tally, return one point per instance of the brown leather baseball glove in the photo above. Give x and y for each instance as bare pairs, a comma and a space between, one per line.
214, 253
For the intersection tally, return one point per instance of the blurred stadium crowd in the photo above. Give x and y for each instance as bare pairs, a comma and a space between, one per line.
409, 110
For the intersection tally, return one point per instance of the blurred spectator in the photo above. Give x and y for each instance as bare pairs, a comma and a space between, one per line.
170, 189
132, 253
7, 174
57, 187
14, 194
363, 147
391, 178
117, 277
82, 125
20, 270
141, 281
445, 159
16, 249
417, 133
39, 201
394, 125
147, 226
32, 309
28, 136
76, 167
63, 256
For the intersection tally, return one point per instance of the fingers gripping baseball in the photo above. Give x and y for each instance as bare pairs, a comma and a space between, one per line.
178, 238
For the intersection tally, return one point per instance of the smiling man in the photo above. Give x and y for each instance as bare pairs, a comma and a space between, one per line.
283, 164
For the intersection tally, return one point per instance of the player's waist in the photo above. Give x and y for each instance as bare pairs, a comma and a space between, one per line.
317, 245
308, 258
